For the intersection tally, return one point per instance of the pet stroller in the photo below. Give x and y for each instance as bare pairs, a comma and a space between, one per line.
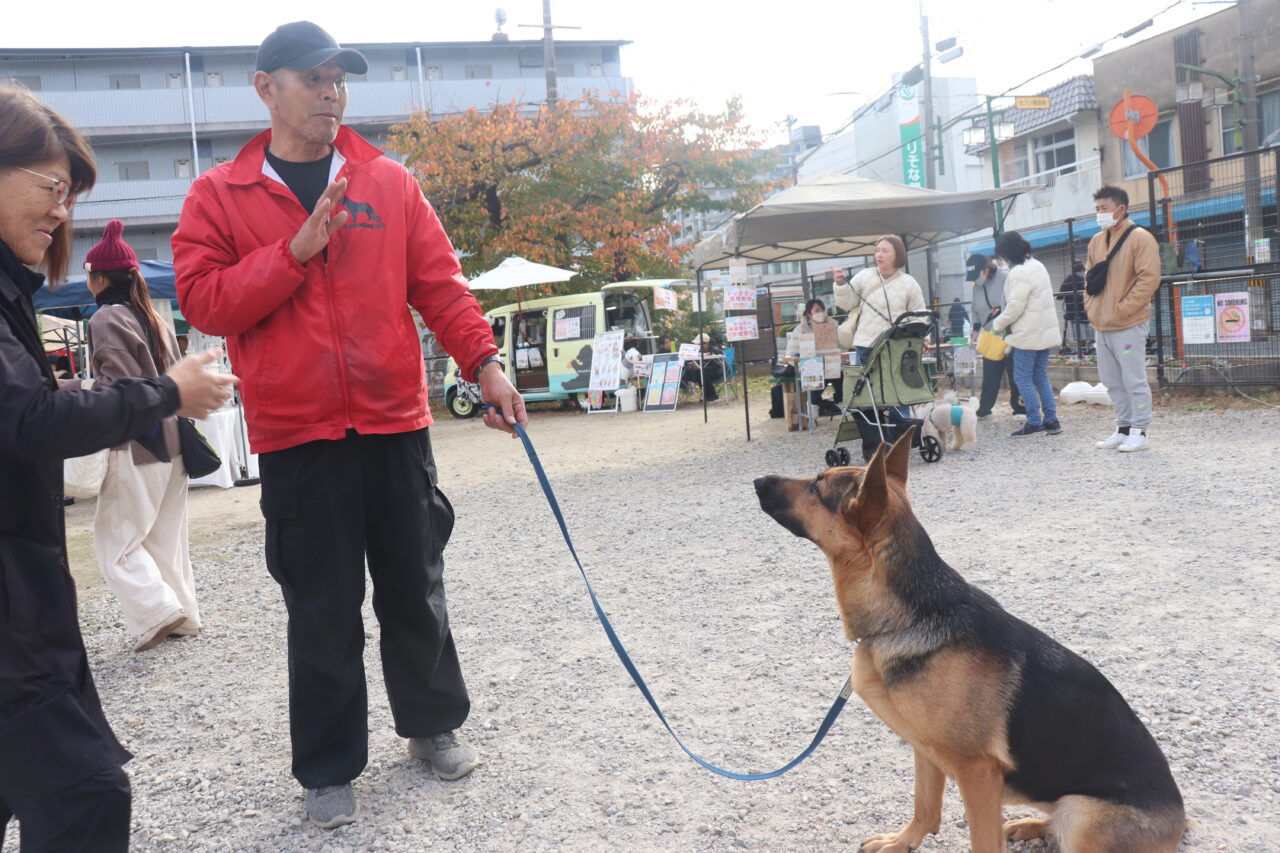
893, 374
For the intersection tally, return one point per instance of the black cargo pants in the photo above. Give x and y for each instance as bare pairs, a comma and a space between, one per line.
91, 816
329, 506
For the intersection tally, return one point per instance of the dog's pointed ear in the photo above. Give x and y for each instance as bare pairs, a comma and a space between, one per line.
898, 459
872, 496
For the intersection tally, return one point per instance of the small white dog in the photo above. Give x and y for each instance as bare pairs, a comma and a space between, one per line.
950, 417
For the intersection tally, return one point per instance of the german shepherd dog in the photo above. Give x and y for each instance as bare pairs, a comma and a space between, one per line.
982, 697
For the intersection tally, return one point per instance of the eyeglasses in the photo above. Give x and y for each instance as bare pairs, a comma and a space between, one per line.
61, 189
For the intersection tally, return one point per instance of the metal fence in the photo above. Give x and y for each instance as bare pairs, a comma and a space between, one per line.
1217, 313
1217, 214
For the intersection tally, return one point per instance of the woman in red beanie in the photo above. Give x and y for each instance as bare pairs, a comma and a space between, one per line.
140, 529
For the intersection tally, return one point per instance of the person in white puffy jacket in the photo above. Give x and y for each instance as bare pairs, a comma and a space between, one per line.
876, 296
1032, 321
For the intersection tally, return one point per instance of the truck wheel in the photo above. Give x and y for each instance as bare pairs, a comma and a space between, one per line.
457, 406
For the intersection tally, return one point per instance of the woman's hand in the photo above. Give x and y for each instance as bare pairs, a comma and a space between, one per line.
200, 392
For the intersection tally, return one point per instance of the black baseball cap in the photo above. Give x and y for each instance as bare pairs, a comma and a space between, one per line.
303, 45
977, 263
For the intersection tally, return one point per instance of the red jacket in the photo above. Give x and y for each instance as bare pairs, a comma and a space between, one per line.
328, 345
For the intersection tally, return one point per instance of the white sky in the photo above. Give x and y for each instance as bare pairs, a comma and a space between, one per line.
783, 60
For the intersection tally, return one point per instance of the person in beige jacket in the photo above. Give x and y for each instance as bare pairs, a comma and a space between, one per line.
140, 527
1120, 311
876, 296
1032, 322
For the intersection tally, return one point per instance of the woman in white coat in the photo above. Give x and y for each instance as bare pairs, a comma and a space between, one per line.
1032, 321
876, 297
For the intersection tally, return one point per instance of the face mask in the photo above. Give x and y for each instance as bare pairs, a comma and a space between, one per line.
1106, 220
819, 317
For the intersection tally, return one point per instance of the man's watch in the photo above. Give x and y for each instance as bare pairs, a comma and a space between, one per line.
487, 360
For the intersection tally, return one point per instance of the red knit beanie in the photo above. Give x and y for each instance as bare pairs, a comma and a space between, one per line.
112, 252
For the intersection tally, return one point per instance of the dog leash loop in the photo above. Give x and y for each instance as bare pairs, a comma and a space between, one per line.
630, 666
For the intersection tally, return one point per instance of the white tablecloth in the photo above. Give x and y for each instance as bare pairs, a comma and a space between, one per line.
220, 428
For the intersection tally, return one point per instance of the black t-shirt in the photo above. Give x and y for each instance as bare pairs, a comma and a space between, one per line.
306, 180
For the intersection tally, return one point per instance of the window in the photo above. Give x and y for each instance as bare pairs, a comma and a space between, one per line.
218, 161
1056, 151
564, 69
213, 78
135, 170
585, 327
175, 79
478, 72
435, 72
182, 168
1157, 145
1268, 112
124, 81
31, 82
1014, 162
398, 73
595, 69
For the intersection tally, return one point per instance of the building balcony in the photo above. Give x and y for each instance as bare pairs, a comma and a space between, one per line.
122, 112
1064, 192
139, 203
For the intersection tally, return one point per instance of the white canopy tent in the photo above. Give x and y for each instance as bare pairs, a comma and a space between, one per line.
840, 216
515, 271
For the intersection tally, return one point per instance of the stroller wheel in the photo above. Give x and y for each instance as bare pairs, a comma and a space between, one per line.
930, 449
833, 458
845, 459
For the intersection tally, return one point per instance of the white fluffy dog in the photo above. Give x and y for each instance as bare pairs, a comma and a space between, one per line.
950, 417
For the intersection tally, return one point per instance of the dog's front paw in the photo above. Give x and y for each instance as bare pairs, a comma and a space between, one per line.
890, 842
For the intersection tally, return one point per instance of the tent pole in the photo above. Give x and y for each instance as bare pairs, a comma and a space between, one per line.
701, 365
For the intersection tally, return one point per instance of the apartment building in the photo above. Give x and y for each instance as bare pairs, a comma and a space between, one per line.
158, 117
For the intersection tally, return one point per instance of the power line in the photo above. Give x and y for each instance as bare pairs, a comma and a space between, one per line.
969, 112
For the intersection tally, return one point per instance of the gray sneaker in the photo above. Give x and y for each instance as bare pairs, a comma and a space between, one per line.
449, 756
332, 806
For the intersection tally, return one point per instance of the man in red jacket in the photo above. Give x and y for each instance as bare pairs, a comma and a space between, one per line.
306, 252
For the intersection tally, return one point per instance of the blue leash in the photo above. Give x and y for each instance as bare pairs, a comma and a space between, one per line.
827, 722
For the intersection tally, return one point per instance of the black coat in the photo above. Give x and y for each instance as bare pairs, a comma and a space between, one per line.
53, 733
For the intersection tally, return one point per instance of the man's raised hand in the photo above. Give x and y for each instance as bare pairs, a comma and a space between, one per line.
315, 232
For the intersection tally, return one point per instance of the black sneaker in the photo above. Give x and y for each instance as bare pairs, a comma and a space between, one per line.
1028, 429
1053, 427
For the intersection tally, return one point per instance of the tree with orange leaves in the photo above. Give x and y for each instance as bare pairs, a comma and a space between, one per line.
587, 184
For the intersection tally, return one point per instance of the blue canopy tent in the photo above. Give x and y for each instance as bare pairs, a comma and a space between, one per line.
73, 301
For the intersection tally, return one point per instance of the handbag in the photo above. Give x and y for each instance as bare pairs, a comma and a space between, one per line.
82, 476
198, 455
1095, 279
783, 372
991, 346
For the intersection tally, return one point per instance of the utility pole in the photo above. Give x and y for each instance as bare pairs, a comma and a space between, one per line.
930, 174
1248, 93
995, 165
549, 51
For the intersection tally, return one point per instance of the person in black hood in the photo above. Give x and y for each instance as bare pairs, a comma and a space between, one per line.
60, 763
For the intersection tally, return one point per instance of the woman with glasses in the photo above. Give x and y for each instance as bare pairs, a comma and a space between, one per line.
60, 764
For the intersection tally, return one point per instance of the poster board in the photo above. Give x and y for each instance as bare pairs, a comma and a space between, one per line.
606, 370
688, 352
664, 299
1232, 311
964, 361
739, 298
741, 328
827, 345
812, 373
663, 391
1197, 319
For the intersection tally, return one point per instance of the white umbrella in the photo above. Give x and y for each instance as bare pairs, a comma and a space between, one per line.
515, 271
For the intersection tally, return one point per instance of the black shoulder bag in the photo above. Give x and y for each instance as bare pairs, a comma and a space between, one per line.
198, 455
1096, 278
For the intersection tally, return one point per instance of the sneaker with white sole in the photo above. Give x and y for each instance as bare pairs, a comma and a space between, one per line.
1136, 440
1111, 442
450, 757
332, 806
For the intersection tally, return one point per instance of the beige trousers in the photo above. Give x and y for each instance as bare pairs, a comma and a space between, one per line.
140, 536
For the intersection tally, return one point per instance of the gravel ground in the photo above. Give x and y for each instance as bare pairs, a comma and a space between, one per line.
1158, 567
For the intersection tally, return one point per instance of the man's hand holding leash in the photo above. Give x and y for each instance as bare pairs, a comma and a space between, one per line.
505, 406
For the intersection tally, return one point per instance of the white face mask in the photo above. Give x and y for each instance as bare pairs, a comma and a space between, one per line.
818, 317
1106, 219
